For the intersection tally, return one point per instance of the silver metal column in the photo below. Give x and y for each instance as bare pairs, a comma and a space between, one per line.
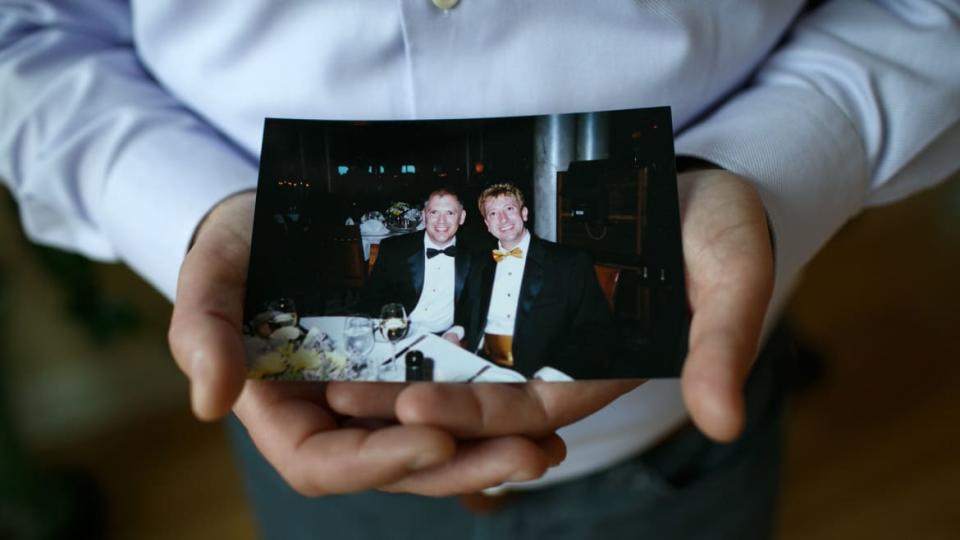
593, 136
553, 148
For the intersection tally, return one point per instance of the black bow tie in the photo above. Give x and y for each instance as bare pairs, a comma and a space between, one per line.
450, 251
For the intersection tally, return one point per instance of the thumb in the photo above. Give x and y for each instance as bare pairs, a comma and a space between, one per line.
723, 347
729, 266
205, 330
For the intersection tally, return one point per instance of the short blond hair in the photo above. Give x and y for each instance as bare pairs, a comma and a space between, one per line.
496, 190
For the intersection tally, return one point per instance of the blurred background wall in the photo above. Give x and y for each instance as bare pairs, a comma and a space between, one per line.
94, 405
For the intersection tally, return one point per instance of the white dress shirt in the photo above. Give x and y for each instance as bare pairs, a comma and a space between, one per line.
434, 309
502, 313
121, 125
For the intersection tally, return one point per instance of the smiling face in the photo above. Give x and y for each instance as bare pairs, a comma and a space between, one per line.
442, 216
505, 218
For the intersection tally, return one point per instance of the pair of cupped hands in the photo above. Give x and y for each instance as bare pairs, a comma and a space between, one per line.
445, 439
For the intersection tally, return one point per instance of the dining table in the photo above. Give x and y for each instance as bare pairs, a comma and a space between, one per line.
368, 238
316, 350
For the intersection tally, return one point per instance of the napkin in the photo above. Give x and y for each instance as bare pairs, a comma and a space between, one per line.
499, 374
547, 373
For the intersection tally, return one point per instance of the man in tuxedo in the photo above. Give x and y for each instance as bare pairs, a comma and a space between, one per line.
425, 271
534, 303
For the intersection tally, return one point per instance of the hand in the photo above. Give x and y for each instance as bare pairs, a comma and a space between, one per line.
453, 338
316, 450
729, 267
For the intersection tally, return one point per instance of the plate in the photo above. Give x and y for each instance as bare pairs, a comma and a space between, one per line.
285, 333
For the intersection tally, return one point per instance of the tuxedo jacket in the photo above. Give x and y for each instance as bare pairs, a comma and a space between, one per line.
562, 319
398, 273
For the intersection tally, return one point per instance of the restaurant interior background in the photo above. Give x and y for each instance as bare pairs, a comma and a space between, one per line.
94, 414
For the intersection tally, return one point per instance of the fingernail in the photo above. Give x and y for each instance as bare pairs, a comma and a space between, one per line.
523, 476
425, 460
198, 381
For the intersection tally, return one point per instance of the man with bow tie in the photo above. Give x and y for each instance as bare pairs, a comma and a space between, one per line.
425, 271
534, 303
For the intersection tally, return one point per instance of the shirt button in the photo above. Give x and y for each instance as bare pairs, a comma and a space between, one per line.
445, 4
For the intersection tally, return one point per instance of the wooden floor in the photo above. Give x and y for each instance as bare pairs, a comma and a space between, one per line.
874, 445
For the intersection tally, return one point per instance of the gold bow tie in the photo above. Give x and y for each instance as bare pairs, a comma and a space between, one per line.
501, 255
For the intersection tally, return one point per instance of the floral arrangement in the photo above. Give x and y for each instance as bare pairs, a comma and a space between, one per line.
398, 209
312, 358
401, 215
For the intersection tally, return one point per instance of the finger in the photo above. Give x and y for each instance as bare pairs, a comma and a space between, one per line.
729, 281
367, 423
535, 408
205, 328
316, 456
479, 465
723, 345
364, 399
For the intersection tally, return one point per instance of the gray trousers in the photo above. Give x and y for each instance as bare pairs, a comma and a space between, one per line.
686, 487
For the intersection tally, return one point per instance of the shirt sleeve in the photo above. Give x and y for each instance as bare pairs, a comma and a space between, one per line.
859, 106
456, 330
102, 159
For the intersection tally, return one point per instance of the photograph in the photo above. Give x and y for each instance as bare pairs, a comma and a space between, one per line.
482, 250
536, 269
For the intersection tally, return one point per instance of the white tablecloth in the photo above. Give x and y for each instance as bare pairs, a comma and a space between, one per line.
450, 363
369, 239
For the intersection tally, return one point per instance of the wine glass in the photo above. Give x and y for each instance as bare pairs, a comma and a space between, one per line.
358, 337
394, 326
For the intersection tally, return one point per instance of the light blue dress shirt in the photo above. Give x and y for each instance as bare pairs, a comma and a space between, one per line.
123, 123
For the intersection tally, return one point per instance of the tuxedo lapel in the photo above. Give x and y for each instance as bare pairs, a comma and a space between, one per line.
487, 273
462, 265
532, 282
530, 286
415, 265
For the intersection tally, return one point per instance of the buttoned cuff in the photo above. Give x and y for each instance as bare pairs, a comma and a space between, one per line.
456, 330
158, 191
803, 156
